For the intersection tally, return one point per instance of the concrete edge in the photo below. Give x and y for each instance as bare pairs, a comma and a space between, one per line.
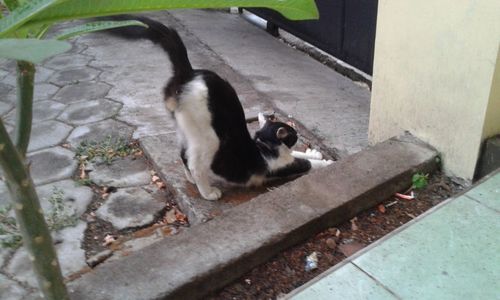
208, 257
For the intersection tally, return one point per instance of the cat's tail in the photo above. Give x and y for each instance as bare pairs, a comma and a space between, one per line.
166, 37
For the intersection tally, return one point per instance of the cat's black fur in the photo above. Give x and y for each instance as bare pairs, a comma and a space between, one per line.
239, 157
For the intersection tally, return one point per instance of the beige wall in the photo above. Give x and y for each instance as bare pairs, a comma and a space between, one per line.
492, 120
433, 71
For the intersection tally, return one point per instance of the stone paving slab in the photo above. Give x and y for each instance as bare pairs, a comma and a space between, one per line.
226, 247
125, 172
75, 197
71, 256
67, 61
82, 91
42, 111
5, 107
10, 290
41, 75
74, 75
48, 134
51, 165
130, 207
85, 112
100, 131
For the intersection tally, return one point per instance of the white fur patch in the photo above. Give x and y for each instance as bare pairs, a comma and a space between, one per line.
316, 163
262, 119
195, 132
309, 154
284, 158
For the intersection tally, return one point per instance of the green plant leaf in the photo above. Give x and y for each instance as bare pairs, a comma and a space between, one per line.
23, 14
96, 26
11, 4
31, 50
419, 180
77, 9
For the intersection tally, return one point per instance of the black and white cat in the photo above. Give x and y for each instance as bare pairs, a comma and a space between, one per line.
211, 126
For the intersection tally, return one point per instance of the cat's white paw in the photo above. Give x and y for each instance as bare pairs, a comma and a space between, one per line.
327, 162
213, 194
314, 154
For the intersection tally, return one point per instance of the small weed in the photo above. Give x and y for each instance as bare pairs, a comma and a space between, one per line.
84, 181
105, 150
10, 237
58, 217
419, 181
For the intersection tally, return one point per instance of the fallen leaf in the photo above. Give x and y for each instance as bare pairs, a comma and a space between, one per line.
350, 248
108, 240
381, 208
160, 185
83, 174
170, 217
67, 146
331, 243
180, 216
155, 178
354, 226
105, 196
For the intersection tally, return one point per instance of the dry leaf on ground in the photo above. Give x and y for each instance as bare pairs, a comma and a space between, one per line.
354, 226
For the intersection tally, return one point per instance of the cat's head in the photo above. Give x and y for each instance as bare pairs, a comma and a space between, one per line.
274, 133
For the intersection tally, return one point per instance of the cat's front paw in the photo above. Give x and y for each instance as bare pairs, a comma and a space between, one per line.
212, 194
314, 154
328, 162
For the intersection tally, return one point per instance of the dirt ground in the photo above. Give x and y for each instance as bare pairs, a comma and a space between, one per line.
285, 272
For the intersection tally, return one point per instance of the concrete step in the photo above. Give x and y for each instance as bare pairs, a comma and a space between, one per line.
208, 256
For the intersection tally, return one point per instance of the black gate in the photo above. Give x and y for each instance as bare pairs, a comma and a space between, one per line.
345, 29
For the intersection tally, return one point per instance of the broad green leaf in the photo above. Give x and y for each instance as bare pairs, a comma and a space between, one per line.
10, 4
23, 14
77, 9
97, 26
32, 50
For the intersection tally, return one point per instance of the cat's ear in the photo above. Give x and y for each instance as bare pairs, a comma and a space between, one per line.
281, 133
262, 119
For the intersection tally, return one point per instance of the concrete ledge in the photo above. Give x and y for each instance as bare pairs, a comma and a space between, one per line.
208, 256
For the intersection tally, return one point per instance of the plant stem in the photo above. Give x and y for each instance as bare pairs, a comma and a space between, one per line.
25, 88
29, 215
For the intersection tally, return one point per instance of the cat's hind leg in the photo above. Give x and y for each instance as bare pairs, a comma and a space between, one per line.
199, 166
189, 177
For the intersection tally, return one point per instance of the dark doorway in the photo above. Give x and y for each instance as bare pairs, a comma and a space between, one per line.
345, 29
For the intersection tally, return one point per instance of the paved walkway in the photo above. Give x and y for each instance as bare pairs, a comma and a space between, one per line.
451, 252
106, 87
